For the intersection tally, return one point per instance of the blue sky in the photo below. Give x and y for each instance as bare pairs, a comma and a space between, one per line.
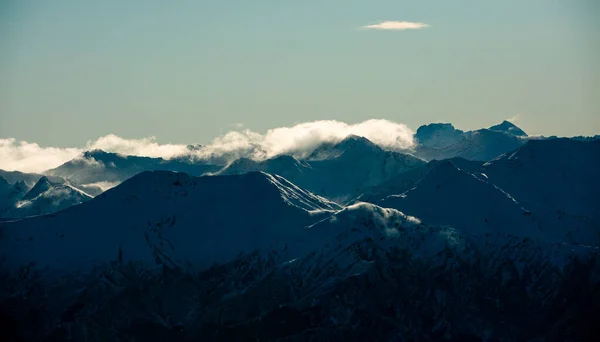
188, 71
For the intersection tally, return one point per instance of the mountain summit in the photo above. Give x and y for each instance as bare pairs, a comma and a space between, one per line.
331, 150
508, 127
438, 135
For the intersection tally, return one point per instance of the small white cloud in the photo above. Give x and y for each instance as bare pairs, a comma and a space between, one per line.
396, 25
513, 119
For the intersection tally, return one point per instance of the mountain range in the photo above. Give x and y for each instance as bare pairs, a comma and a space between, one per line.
486, 235
323, 171
443, 141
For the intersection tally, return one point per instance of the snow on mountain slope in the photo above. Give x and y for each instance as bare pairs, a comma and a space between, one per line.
555, 174
442, 141
170, 218
288, 167
97, 166
44, 198
450, 196
41, 186
508, 127
337, 171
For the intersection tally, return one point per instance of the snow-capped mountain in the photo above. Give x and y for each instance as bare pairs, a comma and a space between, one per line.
288, 167
458, 249
171, 217
443, 141
338, 171
45, 197
438, 135
104, 169
508, 127
351, 144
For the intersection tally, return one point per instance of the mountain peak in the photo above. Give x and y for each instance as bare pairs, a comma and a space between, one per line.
438, 135
508, 127
97, 153
353, 140
330, 150
42, 185
20, 186
354, 137
436, 125
244, 188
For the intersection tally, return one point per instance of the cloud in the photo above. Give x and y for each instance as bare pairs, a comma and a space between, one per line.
31, 157
513, 119
298, 140
396, 25
147, 147
303, 138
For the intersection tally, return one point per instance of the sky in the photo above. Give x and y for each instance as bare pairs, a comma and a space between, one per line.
184, 71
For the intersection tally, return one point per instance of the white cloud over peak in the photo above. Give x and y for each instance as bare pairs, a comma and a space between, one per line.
298, 140
301, 139
31, 157
147, 147
396, 25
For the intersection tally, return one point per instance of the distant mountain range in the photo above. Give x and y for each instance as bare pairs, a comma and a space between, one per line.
324, 171
338, 171
19, 200
443, 141
493, 236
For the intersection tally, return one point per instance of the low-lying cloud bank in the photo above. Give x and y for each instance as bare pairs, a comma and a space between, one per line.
31, 157
298, 140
